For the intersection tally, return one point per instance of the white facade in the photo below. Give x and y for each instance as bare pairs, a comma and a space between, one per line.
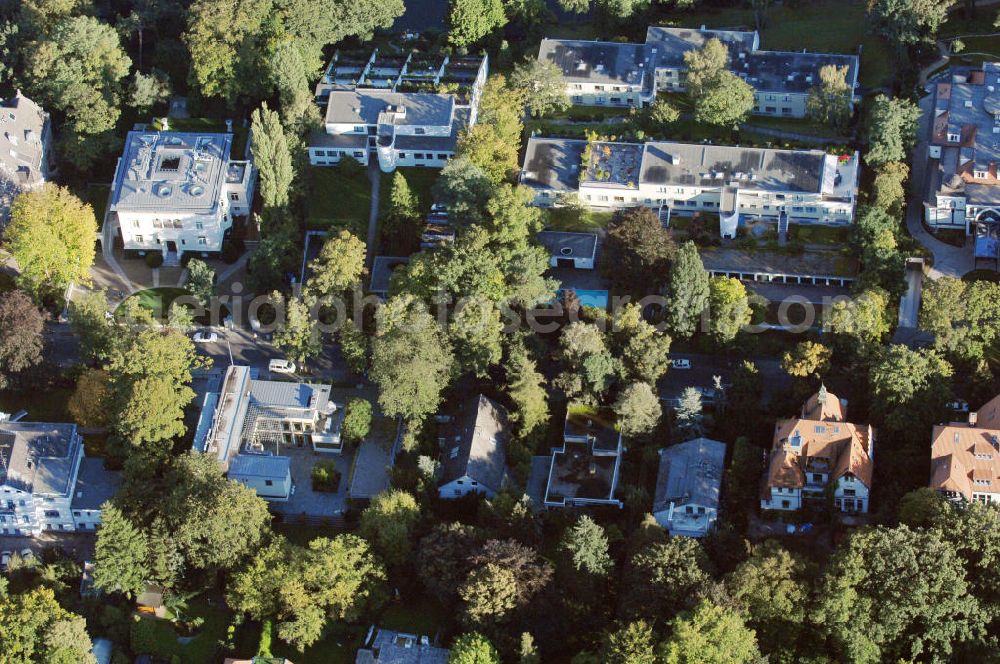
177, 192
269, 476
782, 498
463, 486
689, 519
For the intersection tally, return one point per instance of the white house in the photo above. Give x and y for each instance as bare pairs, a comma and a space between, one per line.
964, 154
177, 192
965, 457
576, 250
687, 486
629, 75
473, 449
256, 418
26, 142
820, 452
386, 646
402, 116
737, 183
46, 483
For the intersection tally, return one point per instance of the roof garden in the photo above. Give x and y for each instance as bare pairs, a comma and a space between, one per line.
611, 164
585, 422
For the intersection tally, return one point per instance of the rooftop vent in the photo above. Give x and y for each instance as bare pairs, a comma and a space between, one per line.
968, 103
164, 190
196, 190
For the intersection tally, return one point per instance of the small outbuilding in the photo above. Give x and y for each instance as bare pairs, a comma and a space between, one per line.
270, 476
575, 250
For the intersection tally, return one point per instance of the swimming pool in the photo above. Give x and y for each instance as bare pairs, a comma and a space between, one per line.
589, 298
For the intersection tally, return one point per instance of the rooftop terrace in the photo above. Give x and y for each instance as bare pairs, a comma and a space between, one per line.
612, 164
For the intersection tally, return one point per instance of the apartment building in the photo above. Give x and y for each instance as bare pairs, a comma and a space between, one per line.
177, 192
46, 482
965, 457
817, 450
964, 153
627, 74
737, 183
27, 146
404, 110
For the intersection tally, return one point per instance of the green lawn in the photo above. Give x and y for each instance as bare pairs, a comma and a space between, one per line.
158, 300
50, 409
423, 617
585, 221
158, 637
420, 180
338, 198
797, 125
834, 235
339, 645
213, 125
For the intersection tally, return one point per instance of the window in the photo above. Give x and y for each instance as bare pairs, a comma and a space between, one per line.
616, 100
820, 428
689, 510
402, 155
199, 225
234, 197
170, 163
769, 109
817, 477
76, 514
138, 239
360, 129
442, 156
418, 155
268, 483
419, 131
577, 99
202, 239
785, 504
849, 492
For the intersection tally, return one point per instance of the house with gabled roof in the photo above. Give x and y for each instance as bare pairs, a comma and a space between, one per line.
965, 457
27, 138
473, 449
688, 484
817, 452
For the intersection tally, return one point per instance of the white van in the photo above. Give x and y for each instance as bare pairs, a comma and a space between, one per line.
281, 366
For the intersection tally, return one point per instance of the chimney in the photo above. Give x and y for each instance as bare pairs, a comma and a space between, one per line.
165, 124
973, 418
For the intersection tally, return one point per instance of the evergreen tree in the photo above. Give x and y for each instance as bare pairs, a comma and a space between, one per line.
638, 409
687, 292
587, 547
272, 157
690, 417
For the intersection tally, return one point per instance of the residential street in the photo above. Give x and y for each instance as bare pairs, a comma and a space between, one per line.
705, 367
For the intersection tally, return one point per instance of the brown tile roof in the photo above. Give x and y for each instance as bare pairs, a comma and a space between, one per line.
961, 455
988, 417
820, 433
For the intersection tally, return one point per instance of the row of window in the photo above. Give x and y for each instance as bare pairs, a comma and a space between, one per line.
784, 110
577, 99
693, 203
138, 239
602, 88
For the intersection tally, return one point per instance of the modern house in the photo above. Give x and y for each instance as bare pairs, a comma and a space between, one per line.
566, 249
473, 449
817, 454
246, 424
630, 75
739, 184
386, 646
27, 144
585, 470
405, 110
46, 482
965, 457
687, 486
964, 155
177, 192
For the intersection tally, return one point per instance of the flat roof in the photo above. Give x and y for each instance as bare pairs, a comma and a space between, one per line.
596, 61
382, 269
363, 107
690, 473
260, 465
169, 170
791, 71
577, 473
94, 485
565, 244
672, 43
553, 163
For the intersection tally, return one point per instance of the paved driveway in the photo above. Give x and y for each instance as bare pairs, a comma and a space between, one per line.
949, 260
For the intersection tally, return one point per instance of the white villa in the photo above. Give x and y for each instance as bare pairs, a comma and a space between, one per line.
246, 424
964, 153
626, 74
177, 192
817, 450
738, 183
405, 110
46, 482
24, 160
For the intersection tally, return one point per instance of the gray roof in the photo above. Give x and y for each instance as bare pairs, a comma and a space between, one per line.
690, 472
38, 457
553, 163
791, 71
23, 163
382, 269
362, 107
598, 62
436, 143
689, 164
173, 171
260, 465
569, 245
321, 139
94, 485
391, 647
370, 475
282, 394
477, 445
672, 43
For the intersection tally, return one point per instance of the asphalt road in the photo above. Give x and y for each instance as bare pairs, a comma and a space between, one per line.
705, 367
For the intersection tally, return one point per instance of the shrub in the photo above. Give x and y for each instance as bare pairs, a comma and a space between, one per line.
325, 477
154, 259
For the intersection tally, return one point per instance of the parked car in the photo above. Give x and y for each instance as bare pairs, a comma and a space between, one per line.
959, 406
205, 337
439, 207
680, 364
281, 366
5, 559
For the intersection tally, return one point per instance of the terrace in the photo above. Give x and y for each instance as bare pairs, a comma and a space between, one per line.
577, 476
612, 164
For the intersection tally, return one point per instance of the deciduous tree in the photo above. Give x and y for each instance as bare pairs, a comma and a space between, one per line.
89, 403
829, 103
471, 20
543, 85
51, 236
806, 359
663, 578
388, 522
297, 335
891, 129
710, 634
729, 308
634, 643
473, 648
21, 342
339, 266
910, 387
37, 629
637, 251
907, 22
201, 281
638, 409
357, 420
88, 316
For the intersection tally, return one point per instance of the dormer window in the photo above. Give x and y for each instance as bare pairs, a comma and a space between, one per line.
954, 138
981, 175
